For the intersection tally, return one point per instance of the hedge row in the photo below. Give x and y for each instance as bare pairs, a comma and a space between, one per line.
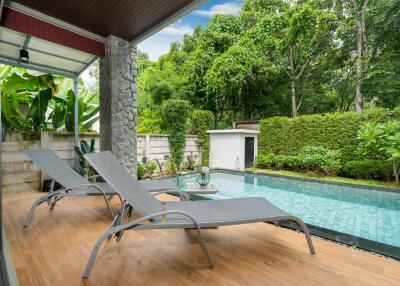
335, 131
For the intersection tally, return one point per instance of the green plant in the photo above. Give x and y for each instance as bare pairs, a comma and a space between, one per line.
336, 131
140, 171
150, 122
381, 141
202, 121
190, 163
145, 169
175, 113
151, 167
25, 99
85, 148
311, 158
64, 110
320, 159
368, 169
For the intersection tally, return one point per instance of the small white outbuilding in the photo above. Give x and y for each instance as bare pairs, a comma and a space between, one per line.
233, 149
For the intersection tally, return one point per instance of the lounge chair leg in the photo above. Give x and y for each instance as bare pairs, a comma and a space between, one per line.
55, 200
109, 207
93, 255
306, 233
120, 220
36, 203
113, 224
203, 245
130, 211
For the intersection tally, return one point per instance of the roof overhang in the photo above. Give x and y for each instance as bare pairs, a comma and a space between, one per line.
65, 37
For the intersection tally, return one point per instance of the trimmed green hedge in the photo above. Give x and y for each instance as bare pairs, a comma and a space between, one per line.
335, 131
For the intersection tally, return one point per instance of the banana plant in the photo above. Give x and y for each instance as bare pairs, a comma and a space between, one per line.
64, 111
25, 98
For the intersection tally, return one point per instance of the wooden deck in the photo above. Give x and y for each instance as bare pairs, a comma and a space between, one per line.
54, 249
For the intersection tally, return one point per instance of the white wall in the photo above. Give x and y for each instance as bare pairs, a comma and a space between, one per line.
156, 146
224, 151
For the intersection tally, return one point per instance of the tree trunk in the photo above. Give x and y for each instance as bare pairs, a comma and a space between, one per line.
292, 76
293, 92
396, 171
361, 51
359, 96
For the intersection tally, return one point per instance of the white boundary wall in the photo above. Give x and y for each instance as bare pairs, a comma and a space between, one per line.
19, 174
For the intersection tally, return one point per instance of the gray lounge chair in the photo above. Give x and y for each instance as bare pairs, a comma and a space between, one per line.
181, 214
74, 184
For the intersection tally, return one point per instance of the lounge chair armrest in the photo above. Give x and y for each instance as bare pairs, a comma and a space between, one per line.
137, 222
183, 196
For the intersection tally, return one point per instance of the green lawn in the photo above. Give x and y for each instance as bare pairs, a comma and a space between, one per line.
315, 176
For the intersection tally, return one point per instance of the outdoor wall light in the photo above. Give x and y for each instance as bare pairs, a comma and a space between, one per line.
24, 56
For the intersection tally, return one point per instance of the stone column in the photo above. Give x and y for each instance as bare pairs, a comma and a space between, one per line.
118, 111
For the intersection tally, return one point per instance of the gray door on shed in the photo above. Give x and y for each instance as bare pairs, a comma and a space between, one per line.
249, 152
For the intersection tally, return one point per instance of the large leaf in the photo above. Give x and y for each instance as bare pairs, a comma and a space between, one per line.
58, 117
69, 121
93, 112
86, 126
10, 117
38, 108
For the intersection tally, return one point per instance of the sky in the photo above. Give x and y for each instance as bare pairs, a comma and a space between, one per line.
158, 44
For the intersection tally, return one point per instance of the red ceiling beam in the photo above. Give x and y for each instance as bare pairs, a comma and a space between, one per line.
38, 28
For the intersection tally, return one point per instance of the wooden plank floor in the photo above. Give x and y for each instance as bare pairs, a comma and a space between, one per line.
54, 249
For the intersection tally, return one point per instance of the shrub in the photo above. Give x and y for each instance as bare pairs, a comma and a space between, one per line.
320, 159
140, 171
368, 169
336, 131
202, 121
311, 158
265, 161
382, 141
145, 169
150, 122
175, 113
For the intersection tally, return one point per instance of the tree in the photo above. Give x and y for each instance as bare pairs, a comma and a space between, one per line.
281, 58
219, 34
293, 40
143, 62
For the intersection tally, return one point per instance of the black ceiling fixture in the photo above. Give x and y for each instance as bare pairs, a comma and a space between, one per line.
24, 56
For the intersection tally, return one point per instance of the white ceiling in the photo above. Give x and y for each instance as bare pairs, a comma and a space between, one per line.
44, 56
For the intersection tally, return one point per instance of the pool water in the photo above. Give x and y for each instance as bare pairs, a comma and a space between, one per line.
361, 212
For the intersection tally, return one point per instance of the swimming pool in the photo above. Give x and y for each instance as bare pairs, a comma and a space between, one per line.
368, 218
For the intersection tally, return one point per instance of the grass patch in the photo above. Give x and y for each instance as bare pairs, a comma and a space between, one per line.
322, 177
